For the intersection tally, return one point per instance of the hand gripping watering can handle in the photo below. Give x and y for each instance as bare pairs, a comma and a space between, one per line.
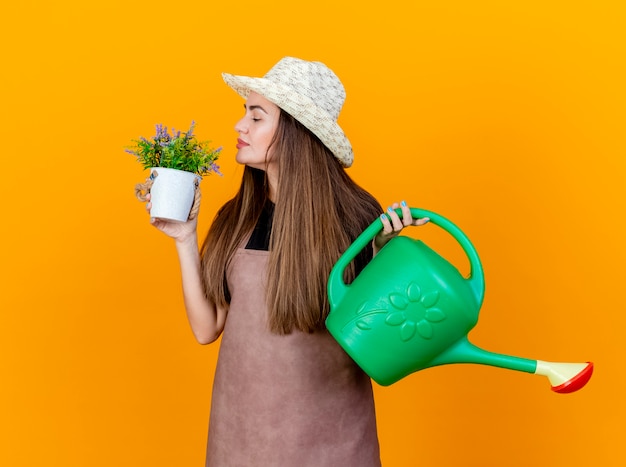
337, 287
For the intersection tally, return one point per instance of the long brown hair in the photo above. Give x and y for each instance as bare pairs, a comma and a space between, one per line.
319, 211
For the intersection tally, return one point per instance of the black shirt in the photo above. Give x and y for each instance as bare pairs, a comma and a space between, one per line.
260, 238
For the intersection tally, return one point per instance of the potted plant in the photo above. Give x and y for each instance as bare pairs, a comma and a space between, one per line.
177, 162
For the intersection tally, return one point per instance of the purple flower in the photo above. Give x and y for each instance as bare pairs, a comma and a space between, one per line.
161, 133
190, 132
216, 168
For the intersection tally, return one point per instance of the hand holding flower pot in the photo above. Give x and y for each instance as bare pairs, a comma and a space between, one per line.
177, 163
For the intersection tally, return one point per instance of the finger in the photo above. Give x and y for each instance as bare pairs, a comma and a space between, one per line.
421, 221
407, 217
387, 228
395, 219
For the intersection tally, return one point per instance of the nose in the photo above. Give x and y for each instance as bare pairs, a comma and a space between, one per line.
240, 126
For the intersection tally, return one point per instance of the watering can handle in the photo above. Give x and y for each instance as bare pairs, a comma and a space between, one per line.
337, 287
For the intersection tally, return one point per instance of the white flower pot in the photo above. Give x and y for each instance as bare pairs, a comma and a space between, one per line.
172, 193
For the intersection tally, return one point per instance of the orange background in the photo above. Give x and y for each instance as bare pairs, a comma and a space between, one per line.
506, 117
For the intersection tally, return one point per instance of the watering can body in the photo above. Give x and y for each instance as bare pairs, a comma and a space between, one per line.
408, 307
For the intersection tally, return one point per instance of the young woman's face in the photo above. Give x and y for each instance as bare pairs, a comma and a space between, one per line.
256, 130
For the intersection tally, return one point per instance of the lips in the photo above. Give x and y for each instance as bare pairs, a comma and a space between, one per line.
241, 143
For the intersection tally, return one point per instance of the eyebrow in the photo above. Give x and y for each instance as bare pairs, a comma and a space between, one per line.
254, 107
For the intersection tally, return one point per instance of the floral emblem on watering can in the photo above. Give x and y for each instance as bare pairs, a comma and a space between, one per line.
413, 312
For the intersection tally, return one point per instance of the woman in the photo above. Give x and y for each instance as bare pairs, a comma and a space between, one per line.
285, 393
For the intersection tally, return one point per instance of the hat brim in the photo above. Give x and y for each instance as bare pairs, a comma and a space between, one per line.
299, 107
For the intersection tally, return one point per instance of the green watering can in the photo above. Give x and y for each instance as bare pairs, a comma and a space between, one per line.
410, 309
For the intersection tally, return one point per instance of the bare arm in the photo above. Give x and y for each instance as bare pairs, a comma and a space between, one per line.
206, 319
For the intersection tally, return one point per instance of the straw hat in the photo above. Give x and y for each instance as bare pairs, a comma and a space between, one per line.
308, 91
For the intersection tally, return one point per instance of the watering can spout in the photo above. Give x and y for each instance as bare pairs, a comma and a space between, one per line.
564, 377
463, 351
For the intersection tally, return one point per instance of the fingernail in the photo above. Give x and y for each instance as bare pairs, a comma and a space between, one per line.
403, 203
382, 217
389, 210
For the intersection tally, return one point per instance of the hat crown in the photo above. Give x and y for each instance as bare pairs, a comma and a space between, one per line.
313, 80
